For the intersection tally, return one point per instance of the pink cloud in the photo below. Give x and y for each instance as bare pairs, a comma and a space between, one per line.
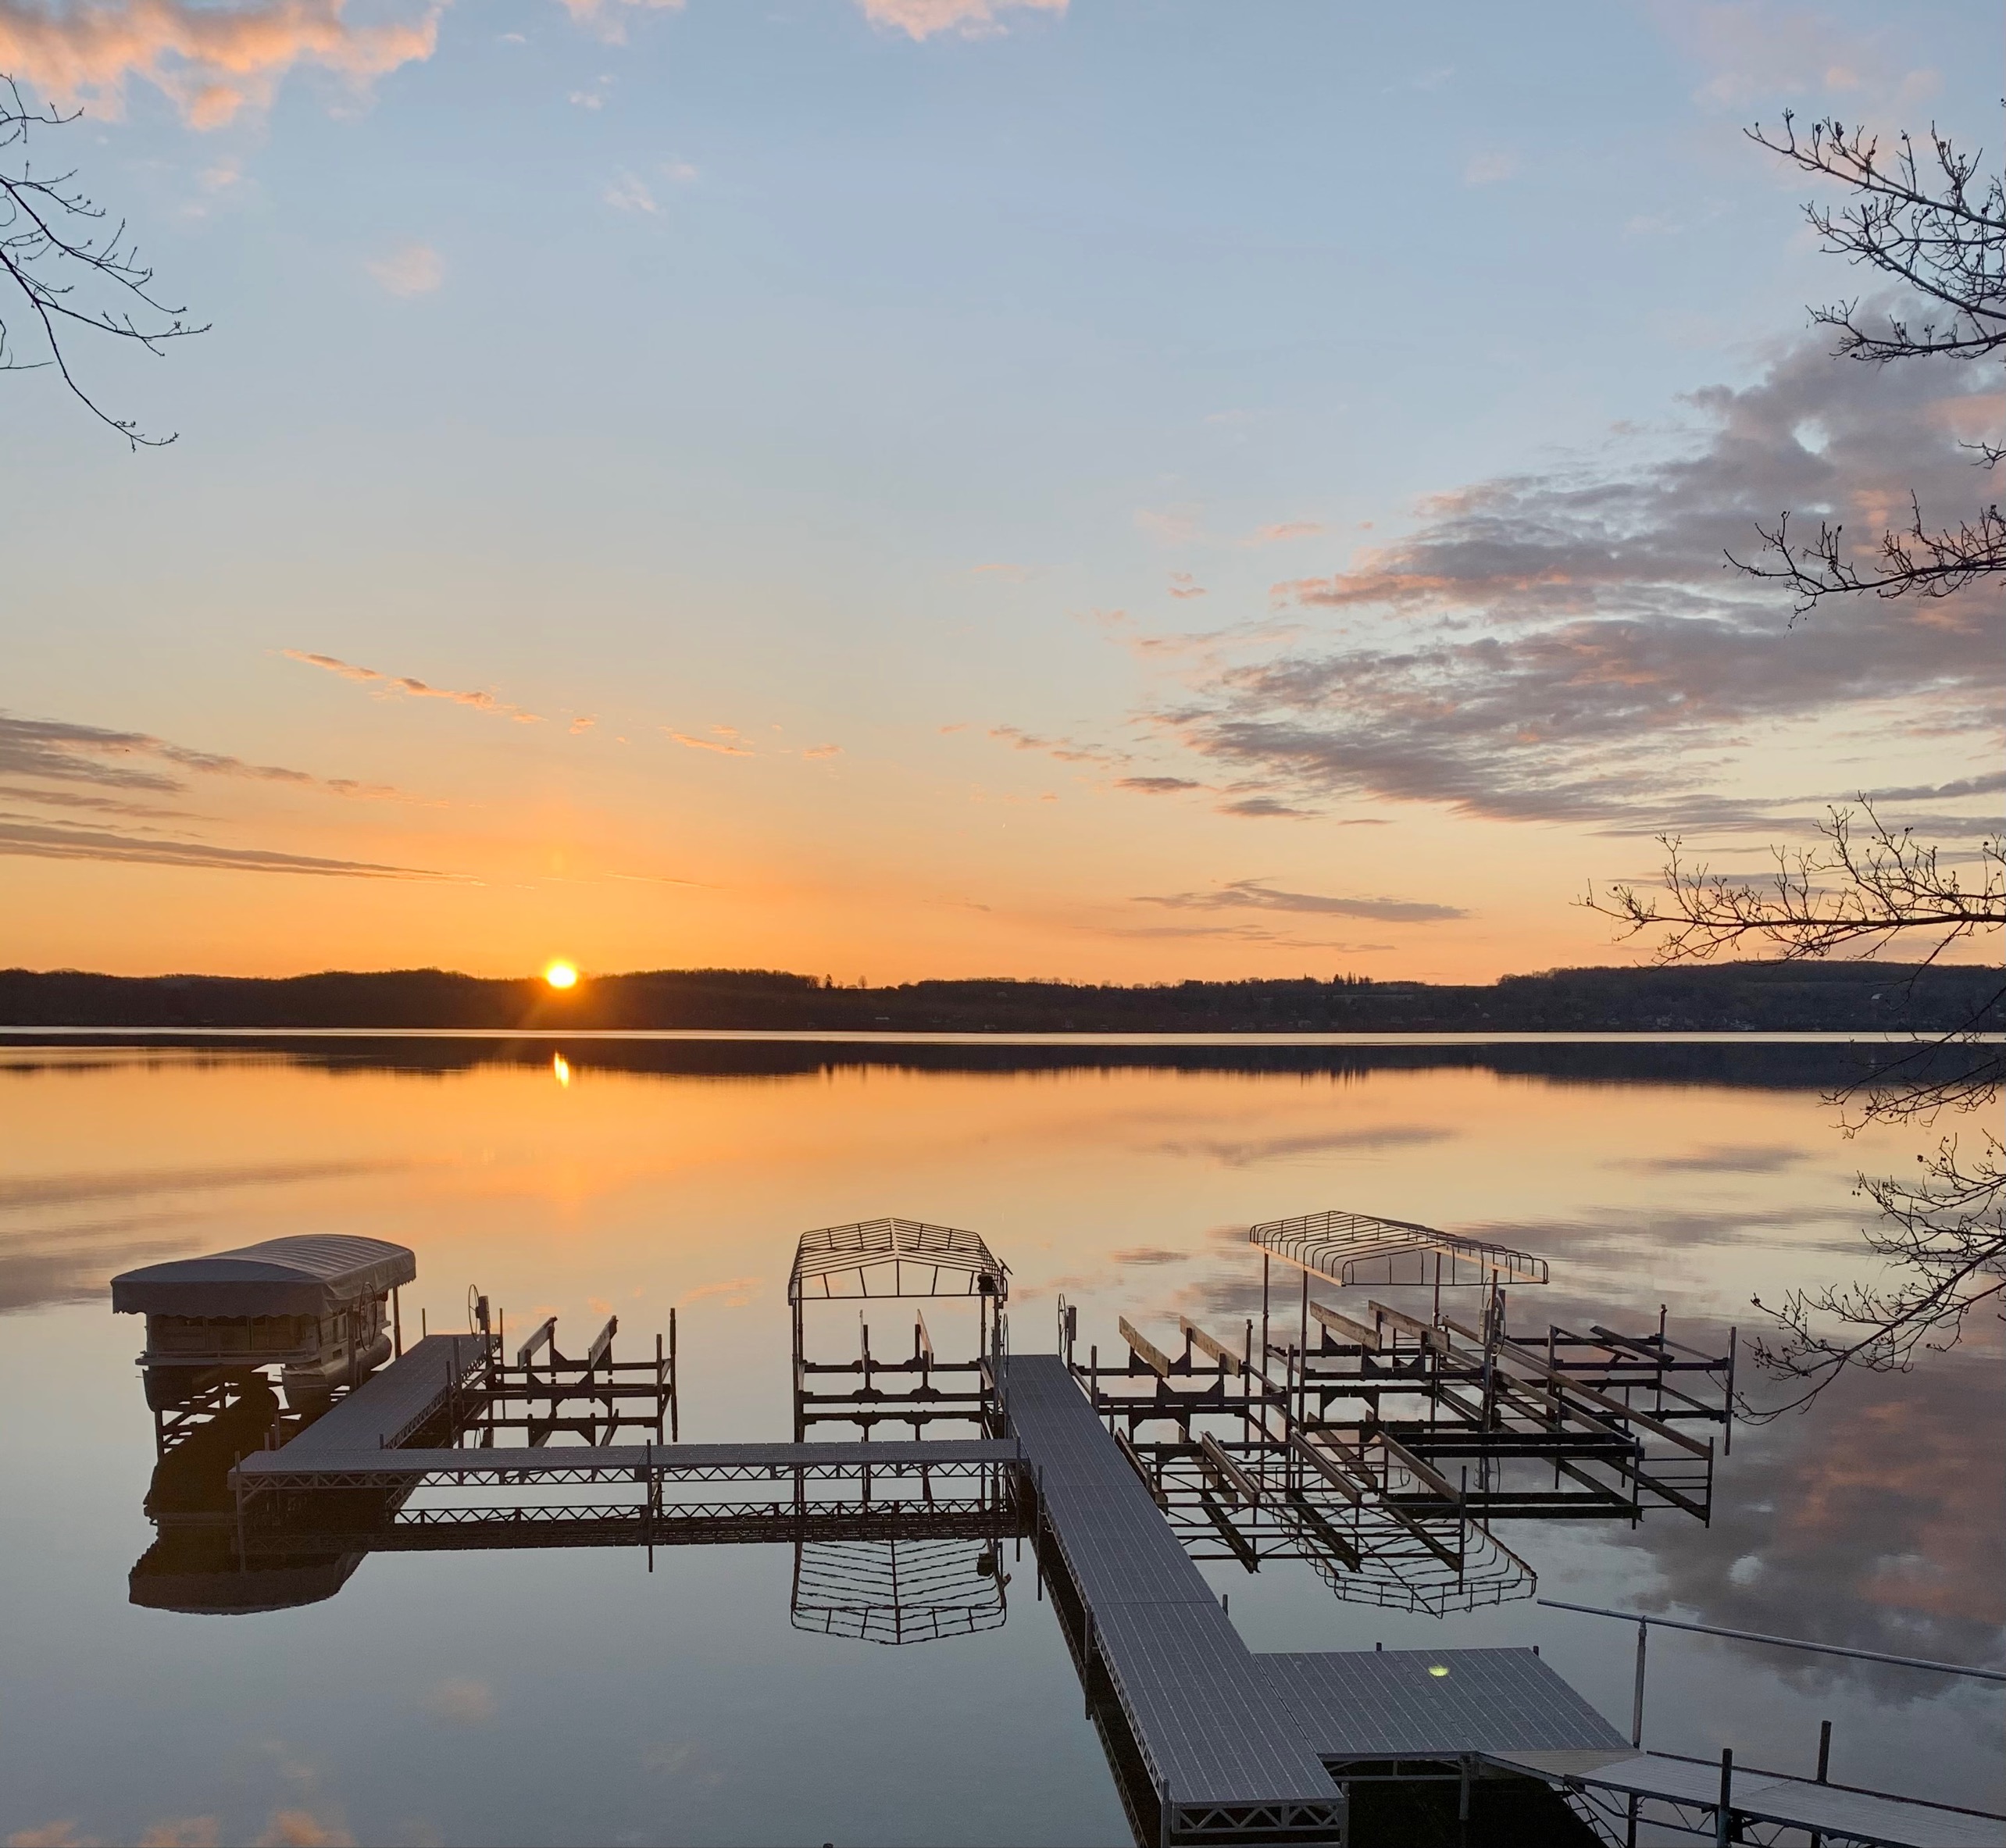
211, 62
1286, 529
922, 18
724, 747
389, 685
1183, 585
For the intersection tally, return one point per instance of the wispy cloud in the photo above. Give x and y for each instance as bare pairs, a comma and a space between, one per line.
1230, 1153
922, 19
58, 751
1281, 533
1488, 169
1066, 750
1157, 786
1183, 585
410, 270
726, 745
628, 192
394, 686
1253, 894
35, 841
1754, 51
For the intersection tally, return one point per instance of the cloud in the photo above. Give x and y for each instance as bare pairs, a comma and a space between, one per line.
1548, 646
1066, 750
1149, 1255
391, 686
583, 722
629, 193
33, 841
1008, 573
1488, 170
1755, 51
1719, 1159
410, 270
1286, 529
211, 62
57, 751
736, 1291
302, 1828
1183, 585
922, 18
1157, 786
1266, 807
727, 746
1248, 894
461, 1700
606, 20
1247, 1153
184, 1831
816, 752
1174, 525
51, 1834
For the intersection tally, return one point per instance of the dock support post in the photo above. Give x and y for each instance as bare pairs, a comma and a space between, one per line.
397, 1324
1636, 1703
1824, 1766
675, 1399
1723, 1812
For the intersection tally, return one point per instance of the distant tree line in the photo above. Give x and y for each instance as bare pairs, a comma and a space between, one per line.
1747, 996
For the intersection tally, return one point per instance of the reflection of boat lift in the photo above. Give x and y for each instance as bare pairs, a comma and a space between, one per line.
1380, 1451
892, 1591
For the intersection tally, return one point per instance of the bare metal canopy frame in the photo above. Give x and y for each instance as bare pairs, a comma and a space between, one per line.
1358, 1248
894, 1258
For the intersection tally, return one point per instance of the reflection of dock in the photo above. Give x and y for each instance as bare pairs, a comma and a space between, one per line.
671, 1495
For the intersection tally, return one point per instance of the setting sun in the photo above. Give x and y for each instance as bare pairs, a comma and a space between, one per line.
561, 975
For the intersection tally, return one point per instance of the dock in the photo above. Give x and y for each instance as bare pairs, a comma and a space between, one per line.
1220, 1748
392, 1406
1123, 1477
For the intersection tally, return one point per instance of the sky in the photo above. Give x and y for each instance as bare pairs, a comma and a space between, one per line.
1119, 489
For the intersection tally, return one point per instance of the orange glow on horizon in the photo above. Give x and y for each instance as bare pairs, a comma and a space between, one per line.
561, 975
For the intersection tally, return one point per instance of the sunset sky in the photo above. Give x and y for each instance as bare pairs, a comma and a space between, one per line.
894, 488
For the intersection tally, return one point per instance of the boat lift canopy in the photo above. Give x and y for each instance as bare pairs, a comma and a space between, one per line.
1358, 1248
316, 1274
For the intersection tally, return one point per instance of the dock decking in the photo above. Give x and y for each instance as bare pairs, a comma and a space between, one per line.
392, 1405
1439, 1704
1221, 1750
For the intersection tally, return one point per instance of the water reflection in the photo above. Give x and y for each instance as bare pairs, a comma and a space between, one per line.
1124, 1180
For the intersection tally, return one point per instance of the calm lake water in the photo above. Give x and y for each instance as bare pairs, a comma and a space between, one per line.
573, 1697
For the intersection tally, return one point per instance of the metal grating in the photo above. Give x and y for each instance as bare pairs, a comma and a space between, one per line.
1441, 1703
894, 1258
1359, 1248
897, 1591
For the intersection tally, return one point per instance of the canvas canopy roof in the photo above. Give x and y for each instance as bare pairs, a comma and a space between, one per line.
313, 1274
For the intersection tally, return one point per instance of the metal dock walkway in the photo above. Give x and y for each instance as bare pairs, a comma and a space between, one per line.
1219, 1747
1373, 1709
1687, 1792
391, 1406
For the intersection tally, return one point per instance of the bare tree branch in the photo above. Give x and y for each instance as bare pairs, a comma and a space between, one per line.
1928, 222
52, 244
1853, 895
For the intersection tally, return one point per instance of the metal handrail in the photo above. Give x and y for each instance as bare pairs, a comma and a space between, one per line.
1827, 1649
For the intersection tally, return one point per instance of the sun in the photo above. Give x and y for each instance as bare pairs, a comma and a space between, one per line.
562, 975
